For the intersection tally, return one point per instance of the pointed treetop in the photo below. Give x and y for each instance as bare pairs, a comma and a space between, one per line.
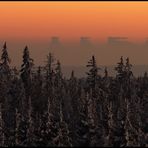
58, 62
4, 57
58, 65
128, 65
26, 51
50, 60
145, 74
121, 59
93, 57
26, 56
39, 71
72, 74
58, 68
127, 60
92, 62
106, 72
5, 46
26, 47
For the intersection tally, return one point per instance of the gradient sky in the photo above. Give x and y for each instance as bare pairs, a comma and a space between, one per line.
70, 20
34, 23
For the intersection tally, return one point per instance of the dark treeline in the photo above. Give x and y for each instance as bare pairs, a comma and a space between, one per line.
43, 108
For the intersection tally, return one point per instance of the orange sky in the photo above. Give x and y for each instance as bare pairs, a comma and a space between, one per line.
70, 20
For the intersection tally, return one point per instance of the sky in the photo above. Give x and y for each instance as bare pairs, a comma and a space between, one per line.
34, 23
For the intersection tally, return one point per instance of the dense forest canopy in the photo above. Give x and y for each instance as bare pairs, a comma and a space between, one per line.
40, 107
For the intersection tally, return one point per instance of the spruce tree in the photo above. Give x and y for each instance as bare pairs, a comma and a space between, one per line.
26, 69
26, 77
120, 70
2, 128
92, 75
5, 72
4, 57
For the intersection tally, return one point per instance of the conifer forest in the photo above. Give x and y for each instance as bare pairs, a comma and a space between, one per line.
41, 107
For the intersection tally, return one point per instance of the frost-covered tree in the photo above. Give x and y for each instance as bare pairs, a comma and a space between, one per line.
18, 140
2, 128
26, 78
25, 74
26, 69
105, 72
92, 75
41, 107
62, 138
38, 101
4, 57
120, 70
49, 79
31, 126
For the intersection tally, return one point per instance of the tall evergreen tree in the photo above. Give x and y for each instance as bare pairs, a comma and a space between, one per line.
26, 77
120, 70
2, 128
92, 75
44, 108
49, 79
26, 68
4, 65
4, 57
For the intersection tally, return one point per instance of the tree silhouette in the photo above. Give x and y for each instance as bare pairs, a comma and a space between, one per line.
41, 107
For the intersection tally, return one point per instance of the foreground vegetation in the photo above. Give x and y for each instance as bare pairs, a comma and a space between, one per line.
43, 108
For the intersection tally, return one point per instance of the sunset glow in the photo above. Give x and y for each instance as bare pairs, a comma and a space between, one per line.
70, 20
35, 23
